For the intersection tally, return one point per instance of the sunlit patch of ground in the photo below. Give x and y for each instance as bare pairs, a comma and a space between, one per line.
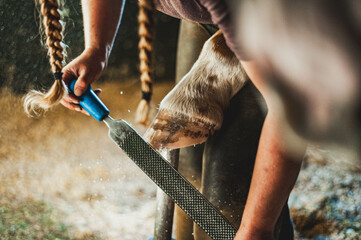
62, 177
29, 219
66, 159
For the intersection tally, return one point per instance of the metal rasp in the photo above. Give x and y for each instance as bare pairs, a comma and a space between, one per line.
187, 197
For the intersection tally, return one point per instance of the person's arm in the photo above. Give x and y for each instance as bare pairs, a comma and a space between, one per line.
274, 175
276, 169
101, 21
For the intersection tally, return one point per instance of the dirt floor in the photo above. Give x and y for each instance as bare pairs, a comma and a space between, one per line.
66, 159
61, 177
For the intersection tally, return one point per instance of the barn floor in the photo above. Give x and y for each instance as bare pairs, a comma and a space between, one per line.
62, 177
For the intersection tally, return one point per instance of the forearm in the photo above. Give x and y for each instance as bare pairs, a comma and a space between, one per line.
101, 21
275, 171
274, 175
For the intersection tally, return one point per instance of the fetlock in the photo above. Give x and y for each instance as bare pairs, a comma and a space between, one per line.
193, 110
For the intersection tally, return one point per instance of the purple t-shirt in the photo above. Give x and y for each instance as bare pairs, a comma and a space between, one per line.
204, 11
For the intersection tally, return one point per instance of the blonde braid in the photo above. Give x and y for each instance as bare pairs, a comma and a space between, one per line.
145, 19
36, 102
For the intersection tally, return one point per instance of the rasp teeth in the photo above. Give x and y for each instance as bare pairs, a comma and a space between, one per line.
193, 203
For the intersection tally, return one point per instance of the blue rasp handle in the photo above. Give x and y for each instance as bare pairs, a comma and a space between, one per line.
91, 103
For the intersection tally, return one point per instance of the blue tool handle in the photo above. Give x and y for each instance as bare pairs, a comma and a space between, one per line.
91, 103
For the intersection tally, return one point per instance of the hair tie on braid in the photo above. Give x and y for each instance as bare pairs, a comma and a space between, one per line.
145, 19
58, 76
146, 96
36, 102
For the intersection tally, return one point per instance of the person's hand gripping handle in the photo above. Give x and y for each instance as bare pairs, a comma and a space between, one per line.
91, 103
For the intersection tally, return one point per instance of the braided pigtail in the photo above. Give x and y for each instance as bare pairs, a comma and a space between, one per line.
36, 102
146, 22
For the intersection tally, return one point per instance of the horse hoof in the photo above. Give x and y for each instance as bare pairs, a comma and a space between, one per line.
193, 110
176, 130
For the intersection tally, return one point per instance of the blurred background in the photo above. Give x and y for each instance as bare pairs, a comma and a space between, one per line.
61, 177
24, 61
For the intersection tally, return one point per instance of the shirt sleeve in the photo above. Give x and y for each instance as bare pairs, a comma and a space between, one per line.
207, 12
221, 16
190, 10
